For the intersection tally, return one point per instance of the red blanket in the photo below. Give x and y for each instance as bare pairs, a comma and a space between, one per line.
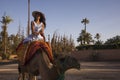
25, 56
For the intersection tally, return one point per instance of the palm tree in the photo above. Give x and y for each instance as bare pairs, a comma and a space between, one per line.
85, 21
28, 17
79, 39
5, 21
84, 37
97, 36
88, 38
98, 42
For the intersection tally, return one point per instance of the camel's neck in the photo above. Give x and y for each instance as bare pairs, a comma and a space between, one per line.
53, 73
57, 73
40, 63
45, 71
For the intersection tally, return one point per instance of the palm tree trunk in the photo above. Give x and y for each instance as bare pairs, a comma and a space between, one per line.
5, 47
85, 27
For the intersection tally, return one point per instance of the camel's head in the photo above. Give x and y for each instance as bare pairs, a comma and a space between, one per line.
68, 62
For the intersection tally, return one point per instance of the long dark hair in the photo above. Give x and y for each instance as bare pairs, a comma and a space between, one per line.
42, 18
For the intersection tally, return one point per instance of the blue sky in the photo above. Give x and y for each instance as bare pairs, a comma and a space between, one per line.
65, 16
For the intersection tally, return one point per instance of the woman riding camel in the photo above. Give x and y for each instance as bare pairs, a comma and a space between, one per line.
37, 29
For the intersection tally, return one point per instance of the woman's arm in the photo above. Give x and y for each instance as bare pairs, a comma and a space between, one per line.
42, 32
33, 28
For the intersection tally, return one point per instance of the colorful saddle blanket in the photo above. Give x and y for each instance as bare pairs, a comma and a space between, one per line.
27, 50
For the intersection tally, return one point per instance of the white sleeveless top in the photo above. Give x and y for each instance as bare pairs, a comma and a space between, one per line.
38, 27
32, 37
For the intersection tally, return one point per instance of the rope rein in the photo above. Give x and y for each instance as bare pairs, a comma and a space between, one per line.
62, 75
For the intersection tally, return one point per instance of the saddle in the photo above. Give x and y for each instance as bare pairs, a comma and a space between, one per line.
27, 50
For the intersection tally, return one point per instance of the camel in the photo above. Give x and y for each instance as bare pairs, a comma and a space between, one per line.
40, 65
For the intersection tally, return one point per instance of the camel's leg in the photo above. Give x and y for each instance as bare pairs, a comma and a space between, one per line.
35, 78
39, 77
21, 76
31, 77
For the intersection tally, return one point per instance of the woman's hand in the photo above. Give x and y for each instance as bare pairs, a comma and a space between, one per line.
36, 33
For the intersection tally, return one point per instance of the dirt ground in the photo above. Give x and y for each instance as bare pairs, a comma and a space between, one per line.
95, 71
88, 71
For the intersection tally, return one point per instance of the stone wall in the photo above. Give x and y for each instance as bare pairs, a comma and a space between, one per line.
97, 55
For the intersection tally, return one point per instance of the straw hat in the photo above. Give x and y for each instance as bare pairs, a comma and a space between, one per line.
34, 13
